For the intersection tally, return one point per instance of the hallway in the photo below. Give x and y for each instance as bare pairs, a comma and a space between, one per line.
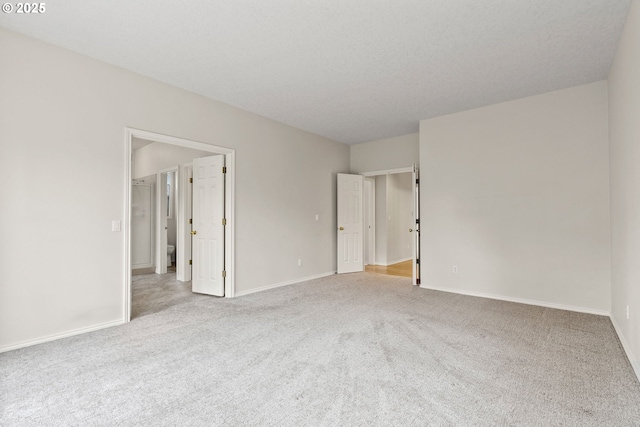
404, 269
152, 293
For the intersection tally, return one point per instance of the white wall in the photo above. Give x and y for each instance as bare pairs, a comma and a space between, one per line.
385, 154
381, 219
142, 226
62, 118
157, 156
624, 134
517, 196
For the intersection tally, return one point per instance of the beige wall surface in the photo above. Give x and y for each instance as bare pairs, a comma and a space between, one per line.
157, 156
63, 118
385, 154
517, 196
624, 134
382, 223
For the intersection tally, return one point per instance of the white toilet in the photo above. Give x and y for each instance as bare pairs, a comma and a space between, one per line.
170, 250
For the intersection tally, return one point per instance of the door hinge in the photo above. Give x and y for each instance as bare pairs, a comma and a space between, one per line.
224, 273
224, 169
417, 181
224, 221
417, 221
190, 262
418, 261
190, 180
190, 220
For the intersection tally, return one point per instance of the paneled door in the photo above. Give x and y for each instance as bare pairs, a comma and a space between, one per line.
208, 226
350, 223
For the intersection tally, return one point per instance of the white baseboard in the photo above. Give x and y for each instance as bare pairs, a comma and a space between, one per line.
59, 336
635, 362
633, 359
141, 266
277, 285
522, 301
394, 261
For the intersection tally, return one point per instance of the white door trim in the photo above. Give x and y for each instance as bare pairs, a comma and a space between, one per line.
388, 171
230, 185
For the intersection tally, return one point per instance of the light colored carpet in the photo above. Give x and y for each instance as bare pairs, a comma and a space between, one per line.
359, 349
152, 293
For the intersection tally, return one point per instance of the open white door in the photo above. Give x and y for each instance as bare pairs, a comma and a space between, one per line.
208, 226
161, 223
350, 223
416, 217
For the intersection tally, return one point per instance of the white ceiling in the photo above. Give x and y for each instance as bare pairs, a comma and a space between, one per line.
350, 70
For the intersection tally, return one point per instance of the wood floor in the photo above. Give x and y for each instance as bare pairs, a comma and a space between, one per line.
404, 269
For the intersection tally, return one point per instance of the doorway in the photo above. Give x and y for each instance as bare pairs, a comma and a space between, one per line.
182, 221
167, 195
391, 218
394, 234
402, 269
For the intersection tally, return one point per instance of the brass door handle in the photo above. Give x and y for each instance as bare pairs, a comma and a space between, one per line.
410, 230
341, 228
194, 232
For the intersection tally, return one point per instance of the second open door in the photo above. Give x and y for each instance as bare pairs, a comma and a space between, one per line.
208, 226
350, 223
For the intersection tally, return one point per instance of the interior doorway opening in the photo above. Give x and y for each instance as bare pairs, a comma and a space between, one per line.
391, 221
402, 269
177, 209
359, 237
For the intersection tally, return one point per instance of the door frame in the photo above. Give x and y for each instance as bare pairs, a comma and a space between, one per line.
183, 224
409, 169
230, 183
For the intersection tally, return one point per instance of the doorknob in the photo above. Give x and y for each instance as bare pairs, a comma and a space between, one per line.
410, 230
341, 228
194, 232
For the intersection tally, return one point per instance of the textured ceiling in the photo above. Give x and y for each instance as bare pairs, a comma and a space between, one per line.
350, 70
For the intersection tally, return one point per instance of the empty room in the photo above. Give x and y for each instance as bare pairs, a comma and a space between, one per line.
205, 202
